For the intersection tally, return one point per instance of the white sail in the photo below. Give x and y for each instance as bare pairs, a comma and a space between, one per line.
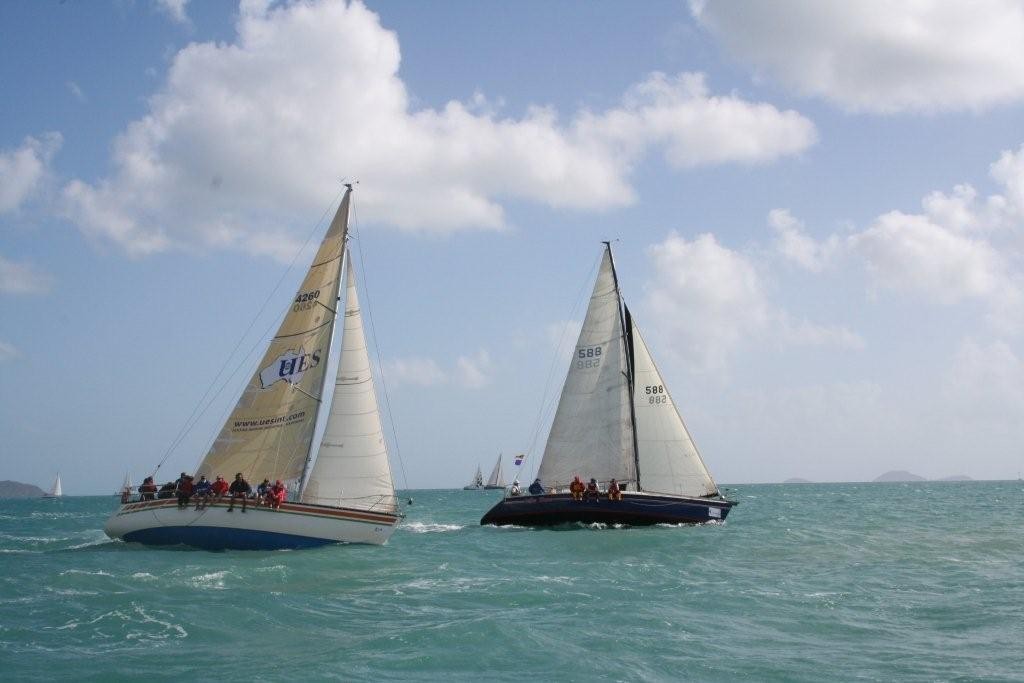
591, 435
352, 467
478, 480
668, 459
497, 477
56, 491
269, 432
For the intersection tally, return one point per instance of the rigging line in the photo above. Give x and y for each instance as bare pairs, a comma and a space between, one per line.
376, 349
186, 428
546, 403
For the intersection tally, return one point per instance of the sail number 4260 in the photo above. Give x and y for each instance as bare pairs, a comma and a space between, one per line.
656, 394
589, 357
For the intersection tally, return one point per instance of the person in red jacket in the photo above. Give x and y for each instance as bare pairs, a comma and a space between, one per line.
184, 488
277, 494
576, 488
219, 488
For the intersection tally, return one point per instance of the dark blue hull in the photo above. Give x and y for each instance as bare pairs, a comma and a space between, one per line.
221, 538
633, 510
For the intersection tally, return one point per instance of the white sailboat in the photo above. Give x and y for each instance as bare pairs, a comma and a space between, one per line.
497, 478
616, 421
341, 489
55, 491
478, 481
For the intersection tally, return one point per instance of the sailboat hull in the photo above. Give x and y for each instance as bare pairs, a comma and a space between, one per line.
295, 525
633, 510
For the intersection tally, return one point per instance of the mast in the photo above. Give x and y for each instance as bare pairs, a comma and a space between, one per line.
333, 343
627, 341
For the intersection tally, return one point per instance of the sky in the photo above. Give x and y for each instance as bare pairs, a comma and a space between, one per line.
817, 210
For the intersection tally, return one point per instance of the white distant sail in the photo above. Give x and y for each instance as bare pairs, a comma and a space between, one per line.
591, 435
352, 467
55, 491
270, 431
497, 478
668, 459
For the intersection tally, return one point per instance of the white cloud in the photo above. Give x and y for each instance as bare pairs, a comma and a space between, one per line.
23, 170
709, 299
76, 90
22, 278
473, 372
879, 56
245, 139
175, 9
985, 381
423, 372
7, 351
794, 244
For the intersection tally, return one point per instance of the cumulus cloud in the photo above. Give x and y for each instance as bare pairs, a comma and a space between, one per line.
959, 247
244, 139
7, 351
24, 169
709, 299
22, 278
880, 56
175, 9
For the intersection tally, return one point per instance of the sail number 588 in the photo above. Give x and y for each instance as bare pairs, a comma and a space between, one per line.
589, 357
656, 394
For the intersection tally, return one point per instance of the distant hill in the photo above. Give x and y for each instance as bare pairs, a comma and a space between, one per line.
899, 475
957, 477
797, 480
15, 489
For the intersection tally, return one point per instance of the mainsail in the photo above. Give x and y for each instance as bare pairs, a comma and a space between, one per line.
56, 491
668, 459
591, 435
269, 432
497, 478
352, 467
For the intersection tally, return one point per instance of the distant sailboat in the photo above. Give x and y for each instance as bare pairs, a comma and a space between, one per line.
616, 420
55, 491
345, 492
478, 481
497, 478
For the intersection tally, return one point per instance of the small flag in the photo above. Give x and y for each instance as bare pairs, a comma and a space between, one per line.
519, 459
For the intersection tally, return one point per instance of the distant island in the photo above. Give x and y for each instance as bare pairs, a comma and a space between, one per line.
15, 489
797, 480
899, 475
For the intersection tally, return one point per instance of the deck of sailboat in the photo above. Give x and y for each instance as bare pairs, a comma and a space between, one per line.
635, 509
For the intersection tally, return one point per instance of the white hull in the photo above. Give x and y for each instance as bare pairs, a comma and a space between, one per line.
295, 525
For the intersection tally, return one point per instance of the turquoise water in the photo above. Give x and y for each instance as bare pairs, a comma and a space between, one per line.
803, 583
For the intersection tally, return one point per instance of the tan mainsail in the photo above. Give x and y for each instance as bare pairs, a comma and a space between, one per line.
268, 434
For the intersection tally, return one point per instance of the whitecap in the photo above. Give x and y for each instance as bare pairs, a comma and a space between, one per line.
98, 572
211, 580
429, 527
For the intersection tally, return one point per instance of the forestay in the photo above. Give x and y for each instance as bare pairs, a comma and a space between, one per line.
668, 459
269, 432
591, 435
352, 467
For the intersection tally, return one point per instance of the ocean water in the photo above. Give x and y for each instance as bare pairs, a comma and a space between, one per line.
808, 582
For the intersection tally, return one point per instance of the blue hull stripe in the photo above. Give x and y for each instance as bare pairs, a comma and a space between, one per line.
220, 538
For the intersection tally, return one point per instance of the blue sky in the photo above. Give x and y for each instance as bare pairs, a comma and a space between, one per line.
819, 208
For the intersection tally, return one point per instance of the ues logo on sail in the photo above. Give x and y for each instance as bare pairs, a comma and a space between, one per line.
289, 366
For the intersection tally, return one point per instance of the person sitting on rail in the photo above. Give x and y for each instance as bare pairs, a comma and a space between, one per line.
515, 490
239, 489
614, 493
576, 488
218, 488
167, 490
277, 494
202, 492
147, 489
184, 488
592, 492
536, 488
262, 492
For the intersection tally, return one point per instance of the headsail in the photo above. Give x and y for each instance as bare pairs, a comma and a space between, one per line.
497, 477
56, 491
352, 467
668, 459
591, 434
268, 434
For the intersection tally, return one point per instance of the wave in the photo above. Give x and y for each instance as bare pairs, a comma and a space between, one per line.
431, 527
